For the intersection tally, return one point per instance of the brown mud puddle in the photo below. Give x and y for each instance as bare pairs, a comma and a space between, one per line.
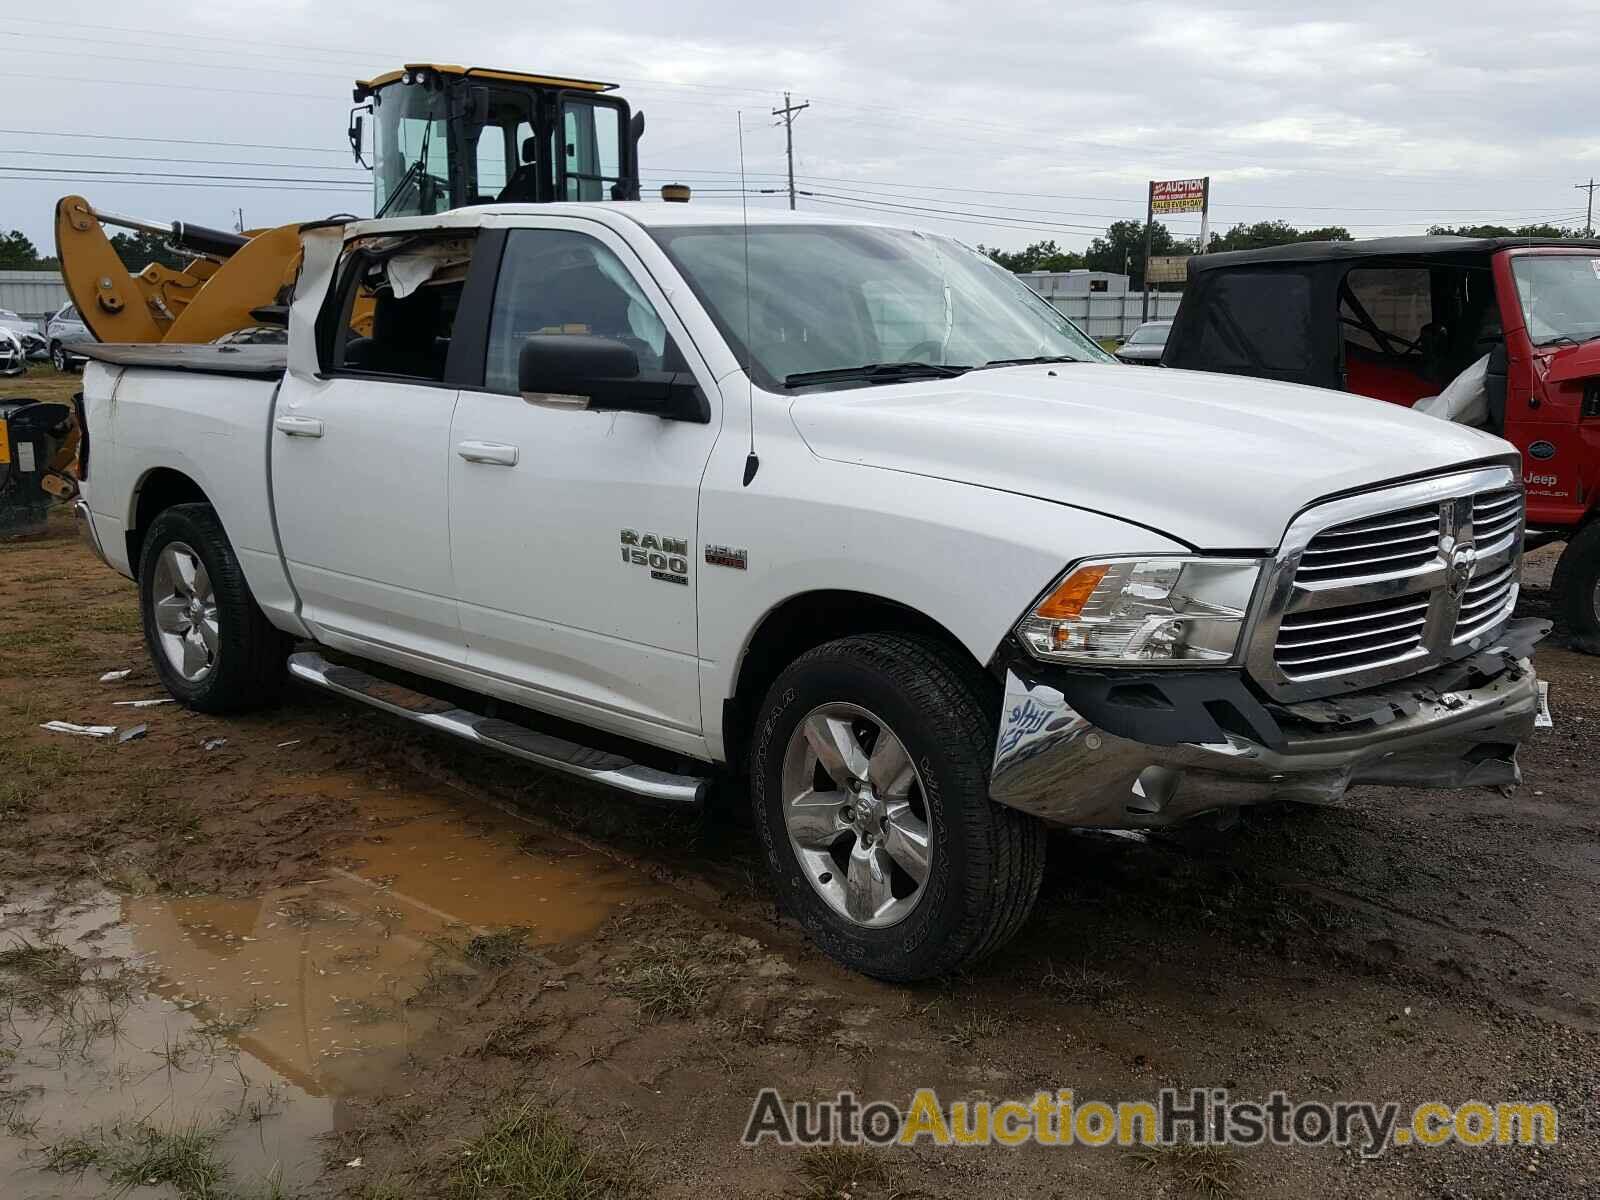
252, 1017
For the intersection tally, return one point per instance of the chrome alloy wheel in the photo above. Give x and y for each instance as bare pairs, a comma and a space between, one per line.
856, 814
185, 611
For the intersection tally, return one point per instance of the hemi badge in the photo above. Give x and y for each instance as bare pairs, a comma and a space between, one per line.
727, 556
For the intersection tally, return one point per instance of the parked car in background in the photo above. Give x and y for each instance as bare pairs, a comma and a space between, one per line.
13, 359
66, 326
33, 343
1145, 344
1503, 333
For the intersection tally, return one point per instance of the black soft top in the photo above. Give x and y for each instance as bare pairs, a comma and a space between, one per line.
1392, 247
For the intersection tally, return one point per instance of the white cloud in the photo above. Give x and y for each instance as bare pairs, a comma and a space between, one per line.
1046, 117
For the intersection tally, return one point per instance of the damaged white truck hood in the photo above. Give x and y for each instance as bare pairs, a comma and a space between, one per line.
1218, 461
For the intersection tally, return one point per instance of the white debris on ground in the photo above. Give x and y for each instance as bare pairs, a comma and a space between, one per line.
94, 731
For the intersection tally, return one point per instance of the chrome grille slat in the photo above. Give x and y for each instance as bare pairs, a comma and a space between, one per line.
1298, 622
1382, 651
1404, 541
1414, 625
1319, 552
1379, 594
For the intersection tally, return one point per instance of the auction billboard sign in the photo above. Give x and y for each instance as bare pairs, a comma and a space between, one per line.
1168, 196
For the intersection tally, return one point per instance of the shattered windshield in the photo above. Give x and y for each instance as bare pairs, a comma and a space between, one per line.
1560, 296
839, 299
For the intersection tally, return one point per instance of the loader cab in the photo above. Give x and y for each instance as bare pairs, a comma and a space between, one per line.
449, 137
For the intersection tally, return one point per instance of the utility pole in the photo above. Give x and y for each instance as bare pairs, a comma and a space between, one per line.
787, 114
1149, 238
1588, 224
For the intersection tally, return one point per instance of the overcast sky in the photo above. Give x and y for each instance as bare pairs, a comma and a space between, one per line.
1009, 121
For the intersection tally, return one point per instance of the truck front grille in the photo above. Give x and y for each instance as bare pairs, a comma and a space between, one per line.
1352, 637
1401, 541
1496, 516
1486, 602
1376, 587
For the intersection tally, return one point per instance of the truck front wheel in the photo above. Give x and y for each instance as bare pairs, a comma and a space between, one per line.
1577, 587
870, 779
213, 648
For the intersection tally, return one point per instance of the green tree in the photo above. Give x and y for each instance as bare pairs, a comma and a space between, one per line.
1274, 233
139, 250
1485, 231
1040, 256
1122, 249
17, 251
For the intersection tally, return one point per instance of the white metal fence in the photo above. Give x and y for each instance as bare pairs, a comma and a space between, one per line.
1103, 316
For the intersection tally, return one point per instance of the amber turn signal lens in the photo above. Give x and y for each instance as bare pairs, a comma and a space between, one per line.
1067, 601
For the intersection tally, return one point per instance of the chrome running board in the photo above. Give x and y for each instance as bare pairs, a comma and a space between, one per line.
597, 766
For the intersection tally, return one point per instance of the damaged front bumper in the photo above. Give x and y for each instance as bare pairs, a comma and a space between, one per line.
1153, 750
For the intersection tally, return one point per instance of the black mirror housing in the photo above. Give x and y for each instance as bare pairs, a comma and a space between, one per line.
583, 371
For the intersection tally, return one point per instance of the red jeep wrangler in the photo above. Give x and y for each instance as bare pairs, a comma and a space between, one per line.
1400, 319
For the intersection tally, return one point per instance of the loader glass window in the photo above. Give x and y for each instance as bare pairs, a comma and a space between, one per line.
552, 281
411, 151
399, 307
591, 133
492, 170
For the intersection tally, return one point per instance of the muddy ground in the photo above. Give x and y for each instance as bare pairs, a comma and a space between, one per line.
316, 953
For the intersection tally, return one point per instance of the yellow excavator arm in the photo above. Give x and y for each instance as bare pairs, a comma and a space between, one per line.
234, 273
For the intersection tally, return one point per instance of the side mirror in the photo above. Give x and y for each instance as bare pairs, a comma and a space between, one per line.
582, 371
356, 123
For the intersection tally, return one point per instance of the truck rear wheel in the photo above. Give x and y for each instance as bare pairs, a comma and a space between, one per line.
1577, 587
212, 646
870, 780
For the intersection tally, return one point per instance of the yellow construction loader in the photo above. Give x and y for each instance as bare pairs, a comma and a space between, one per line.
442, 137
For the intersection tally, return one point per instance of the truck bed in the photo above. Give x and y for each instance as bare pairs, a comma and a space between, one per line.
256, 361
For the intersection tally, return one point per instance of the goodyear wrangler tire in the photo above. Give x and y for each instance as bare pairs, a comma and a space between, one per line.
1577, 587
869, 772
212, 646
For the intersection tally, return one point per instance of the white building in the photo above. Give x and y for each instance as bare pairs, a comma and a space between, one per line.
35, 295
1100, 302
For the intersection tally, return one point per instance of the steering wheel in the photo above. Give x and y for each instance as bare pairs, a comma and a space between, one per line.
923, 352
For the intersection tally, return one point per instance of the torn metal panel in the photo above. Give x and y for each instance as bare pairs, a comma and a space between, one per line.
1381, 705
254, 361
1456, 727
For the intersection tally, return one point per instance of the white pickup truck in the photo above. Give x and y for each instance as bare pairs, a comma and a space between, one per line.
836, 510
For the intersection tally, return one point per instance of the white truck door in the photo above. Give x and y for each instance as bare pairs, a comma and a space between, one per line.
359, 467
573, 533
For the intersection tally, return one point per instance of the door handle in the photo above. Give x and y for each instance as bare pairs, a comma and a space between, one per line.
495, 454
298, 426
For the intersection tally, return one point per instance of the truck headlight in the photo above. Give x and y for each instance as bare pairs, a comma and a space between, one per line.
1144, 610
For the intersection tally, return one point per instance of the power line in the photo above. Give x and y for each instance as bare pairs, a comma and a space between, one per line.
179, 175
211, 162
133, 137
246, 187
166, 85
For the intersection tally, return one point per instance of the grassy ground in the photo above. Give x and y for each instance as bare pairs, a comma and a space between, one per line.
42, 382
